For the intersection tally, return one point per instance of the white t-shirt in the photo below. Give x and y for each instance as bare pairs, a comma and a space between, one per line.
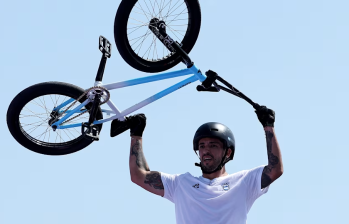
222, 200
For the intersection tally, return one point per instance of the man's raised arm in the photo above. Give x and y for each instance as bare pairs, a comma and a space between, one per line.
274, 169
139, 169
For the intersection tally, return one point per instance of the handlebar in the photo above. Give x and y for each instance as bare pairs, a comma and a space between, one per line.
210, 85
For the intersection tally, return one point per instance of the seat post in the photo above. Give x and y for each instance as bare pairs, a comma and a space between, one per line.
101, 68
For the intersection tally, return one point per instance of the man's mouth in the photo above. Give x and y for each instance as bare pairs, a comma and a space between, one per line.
207, 158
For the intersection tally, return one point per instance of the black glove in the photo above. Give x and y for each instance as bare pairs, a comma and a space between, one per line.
118, 127
137, 124
265, 116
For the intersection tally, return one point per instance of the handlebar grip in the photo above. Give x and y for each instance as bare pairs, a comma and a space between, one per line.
203, 89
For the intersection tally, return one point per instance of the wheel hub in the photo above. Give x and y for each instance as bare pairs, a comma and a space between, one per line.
54, 117
159, 24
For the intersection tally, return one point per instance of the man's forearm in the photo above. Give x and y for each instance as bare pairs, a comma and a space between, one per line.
274, 169
137, 160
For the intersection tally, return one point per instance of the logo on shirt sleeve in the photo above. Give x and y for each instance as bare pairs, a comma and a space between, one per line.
196, 186
225, 186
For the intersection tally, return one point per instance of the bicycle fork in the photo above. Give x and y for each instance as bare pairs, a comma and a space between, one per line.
159, 30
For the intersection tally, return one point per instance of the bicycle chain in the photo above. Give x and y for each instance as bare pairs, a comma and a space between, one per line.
79, 98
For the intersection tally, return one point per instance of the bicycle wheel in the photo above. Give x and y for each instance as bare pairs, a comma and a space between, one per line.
28, 119
136, 43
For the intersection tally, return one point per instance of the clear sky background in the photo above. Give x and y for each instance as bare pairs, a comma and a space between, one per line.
291, 56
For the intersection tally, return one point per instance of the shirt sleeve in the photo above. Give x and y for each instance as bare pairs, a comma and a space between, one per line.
170, 183
253, 179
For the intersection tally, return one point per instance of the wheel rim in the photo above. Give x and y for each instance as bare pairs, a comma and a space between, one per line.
142, 41
34, 122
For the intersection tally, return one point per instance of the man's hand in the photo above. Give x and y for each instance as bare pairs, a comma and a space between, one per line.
266, 116
137, 124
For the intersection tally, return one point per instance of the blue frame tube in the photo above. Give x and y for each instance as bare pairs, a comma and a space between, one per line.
194, 70
147, 79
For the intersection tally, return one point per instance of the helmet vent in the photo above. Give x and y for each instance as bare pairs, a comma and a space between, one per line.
214, 129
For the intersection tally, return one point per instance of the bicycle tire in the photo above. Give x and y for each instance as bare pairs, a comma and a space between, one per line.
35, 97
166, 62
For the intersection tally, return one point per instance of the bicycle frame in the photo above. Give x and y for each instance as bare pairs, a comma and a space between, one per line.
197, 75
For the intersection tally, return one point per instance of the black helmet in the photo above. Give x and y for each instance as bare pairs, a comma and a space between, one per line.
215, 130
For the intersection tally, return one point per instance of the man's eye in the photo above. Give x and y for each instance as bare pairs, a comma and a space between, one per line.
213, 146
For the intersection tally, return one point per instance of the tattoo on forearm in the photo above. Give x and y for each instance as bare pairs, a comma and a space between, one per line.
136, 150
154, 180
266, 181
273, 160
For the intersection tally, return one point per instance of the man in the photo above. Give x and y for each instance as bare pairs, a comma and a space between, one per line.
216, 196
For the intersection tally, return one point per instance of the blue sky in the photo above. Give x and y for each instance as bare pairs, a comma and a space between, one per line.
291, 56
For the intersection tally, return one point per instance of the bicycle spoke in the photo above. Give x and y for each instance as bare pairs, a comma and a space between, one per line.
174, 33
34, 102
38, 136
184, 13
161, 11
59, 134
43, 119
68, 131
34, 128
43, 104
149, 47
175, 18
141, 44
47, 130
138, 38
139, 21
142, 14
31, 124
158, 8
168, 12
143, 10
134, 30
148, 8
49, 135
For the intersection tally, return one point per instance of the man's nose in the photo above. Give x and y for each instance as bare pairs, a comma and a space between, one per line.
205, 150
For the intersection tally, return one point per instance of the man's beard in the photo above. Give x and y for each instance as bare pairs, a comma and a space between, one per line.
210, 168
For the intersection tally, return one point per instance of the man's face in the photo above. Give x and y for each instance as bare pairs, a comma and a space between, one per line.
211, 153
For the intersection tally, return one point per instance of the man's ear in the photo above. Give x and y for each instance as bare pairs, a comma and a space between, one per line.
229, 153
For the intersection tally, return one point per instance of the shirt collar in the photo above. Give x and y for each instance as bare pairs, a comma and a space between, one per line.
208, 181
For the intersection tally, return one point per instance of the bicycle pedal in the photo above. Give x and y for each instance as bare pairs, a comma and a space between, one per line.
90, 131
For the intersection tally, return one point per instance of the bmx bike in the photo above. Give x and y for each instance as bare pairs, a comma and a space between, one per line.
56, 118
